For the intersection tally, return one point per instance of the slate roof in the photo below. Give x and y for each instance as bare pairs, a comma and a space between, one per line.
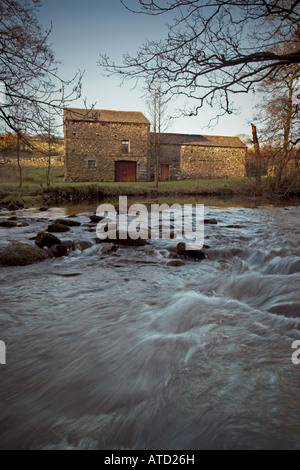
104, 115
202, 140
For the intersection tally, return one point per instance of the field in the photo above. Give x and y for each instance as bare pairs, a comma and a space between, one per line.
34, 190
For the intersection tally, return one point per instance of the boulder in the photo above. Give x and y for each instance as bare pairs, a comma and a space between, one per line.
67, 222
46, 239
58, 228
62, 249
7, 224
129, 242
96, 218
210, 221
176, 262
12, 207
194, 254
21, 254
23, 224
82, 245
43, 209
108, 248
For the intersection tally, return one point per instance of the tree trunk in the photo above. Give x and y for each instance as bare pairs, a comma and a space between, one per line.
257, 160
18, 160
49, 158
286, 135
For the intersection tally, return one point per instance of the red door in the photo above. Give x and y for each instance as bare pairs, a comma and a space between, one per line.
164, 172
125, 171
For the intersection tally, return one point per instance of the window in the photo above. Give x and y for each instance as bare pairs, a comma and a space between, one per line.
92, 163
125, 146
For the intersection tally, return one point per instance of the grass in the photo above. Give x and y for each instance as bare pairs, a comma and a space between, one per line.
34, 188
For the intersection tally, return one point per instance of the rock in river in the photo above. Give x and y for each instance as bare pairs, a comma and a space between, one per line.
46, 239
58, 228
194, 254
67, 222
7, 224
21, 254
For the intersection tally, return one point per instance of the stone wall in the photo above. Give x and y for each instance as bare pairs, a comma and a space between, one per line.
93, 147
192, 161
212, 162
38, 162
169, 155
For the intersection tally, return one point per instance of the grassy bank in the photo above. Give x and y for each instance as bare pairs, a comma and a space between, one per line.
34, 188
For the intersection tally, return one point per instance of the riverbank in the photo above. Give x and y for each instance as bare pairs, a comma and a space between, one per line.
34, 191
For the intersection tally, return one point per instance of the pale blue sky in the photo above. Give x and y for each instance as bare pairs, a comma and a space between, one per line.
82, 29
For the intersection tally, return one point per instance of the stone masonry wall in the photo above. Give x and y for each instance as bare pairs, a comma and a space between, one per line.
101, 143
169, 155
38, 162
212, 162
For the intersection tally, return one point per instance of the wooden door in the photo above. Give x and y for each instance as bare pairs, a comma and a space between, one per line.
125, 171
164, 172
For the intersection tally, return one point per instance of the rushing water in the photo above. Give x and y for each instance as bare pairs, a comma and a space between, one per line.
123, 351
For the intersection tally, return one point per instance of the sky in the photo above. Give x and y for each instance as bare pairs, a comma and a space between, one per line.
84, 29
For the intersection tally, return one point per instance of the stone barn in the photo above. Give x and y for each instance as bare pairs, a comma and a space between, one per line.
187, 156
102, 145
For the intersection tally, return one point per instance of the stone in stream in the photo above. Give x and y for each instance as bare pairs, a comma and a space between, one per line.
58, 228
46, 239
194, 254
21, 254
96, 218
7, 224
67, 222
176, 263
210, 221
62, 249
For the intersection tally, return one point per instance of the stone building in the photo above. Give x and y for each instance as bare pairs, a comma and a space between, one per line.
103, 145
186, 156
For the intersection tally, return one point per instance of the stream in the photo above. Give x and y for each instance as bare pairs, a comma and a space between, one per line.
118, 349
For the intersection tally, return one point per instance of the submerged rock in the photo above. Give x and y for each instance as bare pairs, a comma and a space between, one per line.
129, 242
210, 221
82, 245
67, 222
23, 224
21, 254
176, 262
7, 224
58, 228
108, 248
46, 239
194, 254
96, 218
61, 249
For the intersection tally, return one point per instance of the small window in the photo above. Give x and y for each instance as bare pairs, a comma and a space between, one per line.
92, 163
125, 146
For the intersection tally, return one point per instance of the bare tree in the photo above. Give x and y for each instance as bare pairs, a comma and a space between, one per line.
28, 69
214, 49
278, 113
257, 159
160, 121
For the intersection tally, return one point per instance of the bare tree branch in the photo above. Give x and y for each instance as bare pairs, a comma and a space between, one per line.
214, 49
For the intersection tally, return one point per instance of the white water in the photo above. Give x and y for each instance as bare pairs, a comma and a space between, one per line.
133, 354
